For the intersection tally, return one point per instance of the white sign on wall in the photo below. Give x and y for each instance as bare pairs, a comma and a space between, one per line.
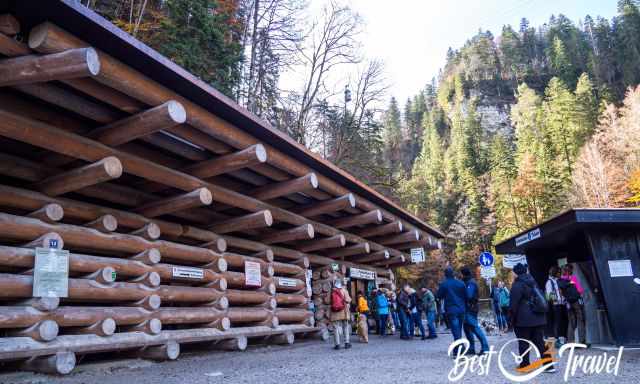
417, 255
357, 273
488, 272
188, 273
529, 236
51, 273
620, 268
510, 260
252, 274
287, 282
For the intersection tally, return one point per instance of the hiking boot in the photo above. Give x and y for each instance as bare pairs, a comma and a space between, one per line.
336, 347
347, 345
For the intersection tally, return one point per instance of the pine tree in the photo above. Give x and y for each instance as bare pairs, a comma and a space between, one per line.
586, 110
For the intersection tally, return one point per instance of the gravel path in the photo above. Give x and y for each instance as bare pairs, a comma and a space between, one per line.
389, 360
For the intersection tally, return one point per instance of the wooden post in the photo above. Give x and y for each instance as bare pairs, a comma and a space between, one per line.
142, 124
106, 169
352, 250
376, 256
50, 213
197, 198
235, 344
255, 154
81, 62
386, 229
45, 330
150, 231
302, 232
106, 224
327, 206
372, 217
287, 187
62, 363
168, 351
148, 256
412, 235
266, 255
337, 241
258, 219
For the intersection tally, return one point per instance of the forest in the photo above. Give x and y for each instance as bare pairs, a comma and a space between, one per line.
515, 128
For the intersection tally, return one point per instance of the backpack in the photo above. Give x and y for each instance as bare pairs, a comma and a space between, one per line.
337, 300
537, 302
503, 297
571, 294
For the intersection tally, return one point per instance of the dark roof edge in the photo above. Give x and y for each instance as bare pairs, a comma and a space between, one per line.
119, 44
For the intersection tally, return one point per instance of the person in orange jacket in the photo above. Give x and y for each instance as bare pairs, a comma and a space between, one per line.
363, 311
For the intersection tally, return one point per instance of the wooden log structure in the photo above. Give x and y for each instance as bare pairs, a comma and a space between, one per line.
162, 204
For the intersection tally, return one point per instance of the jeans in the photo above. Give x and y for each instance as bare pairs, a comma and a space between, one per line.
396, 319
405, 323
505, 313
382, 324
342, 330
500, 318
471, 328
455, 322
431, 320
417, 320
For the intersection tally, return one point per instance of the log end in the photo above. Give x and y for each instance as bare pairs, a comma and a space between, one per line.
47, 330
261, 153
9, 25
39, 35
310, 231
152, 302
54, 212
272, 303
93, 61
343, 240
352, 200
222, 265
271, 289
242, 343
274, 322
155, 326
222, 284
106, 275
109, 222
107, 327
153, 256
378, 216
268, 218
225, 324
153, 279
304, 262
223, 303
205, 195
112, 167
221, 244
176, 111
313, 180
400, 226
270, 271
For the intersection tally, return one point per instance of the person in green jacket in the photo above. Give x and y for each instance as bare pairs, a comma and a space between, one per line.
429, 304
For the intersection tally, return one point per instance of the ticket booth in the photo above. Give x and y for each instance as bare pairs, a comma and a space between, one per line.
605, 246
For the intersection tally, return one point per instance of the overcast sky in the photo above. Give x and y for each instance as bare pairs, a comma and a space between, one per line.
412, 36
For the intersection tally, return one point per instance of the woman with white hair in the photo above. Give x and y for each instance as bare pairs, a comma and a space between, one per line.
340, 315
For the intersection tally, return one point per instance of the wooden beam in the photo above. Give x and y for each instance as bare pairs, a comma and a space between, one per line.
287, 187
320, 244
372, 257
385, 229
197, 198
302, 232
405, 237
106, 169
142, 124
352, 221
260, 219
327, 206
79, 62
356, 249
105, 224
9, 25
247, 157
392, 262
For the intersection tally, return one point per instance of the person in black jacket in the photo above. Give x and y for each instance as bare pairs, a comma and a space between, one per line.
528, 325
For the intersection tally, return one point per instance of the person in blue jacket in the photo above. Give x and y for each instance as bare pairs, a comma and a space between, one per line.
453, 292
382, 305
471, 326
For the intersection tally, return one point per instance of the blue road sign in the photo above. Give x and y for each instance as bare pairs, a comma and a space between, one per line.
486, 259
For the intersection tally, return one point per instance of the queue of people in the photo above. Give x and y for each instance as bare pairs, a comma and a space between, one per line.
525, 308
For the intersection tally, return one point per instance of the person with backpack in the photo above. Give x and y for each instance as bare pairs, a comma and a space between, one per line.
575, 311
453, 294
363, 312
528, 313
340, 315
557, 306
471, 325
504, 302
429, 303
382, 305
416, 314
404, 312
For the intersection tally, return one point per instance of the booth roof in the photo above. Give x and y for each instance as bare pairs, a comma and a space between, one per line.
560, 229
